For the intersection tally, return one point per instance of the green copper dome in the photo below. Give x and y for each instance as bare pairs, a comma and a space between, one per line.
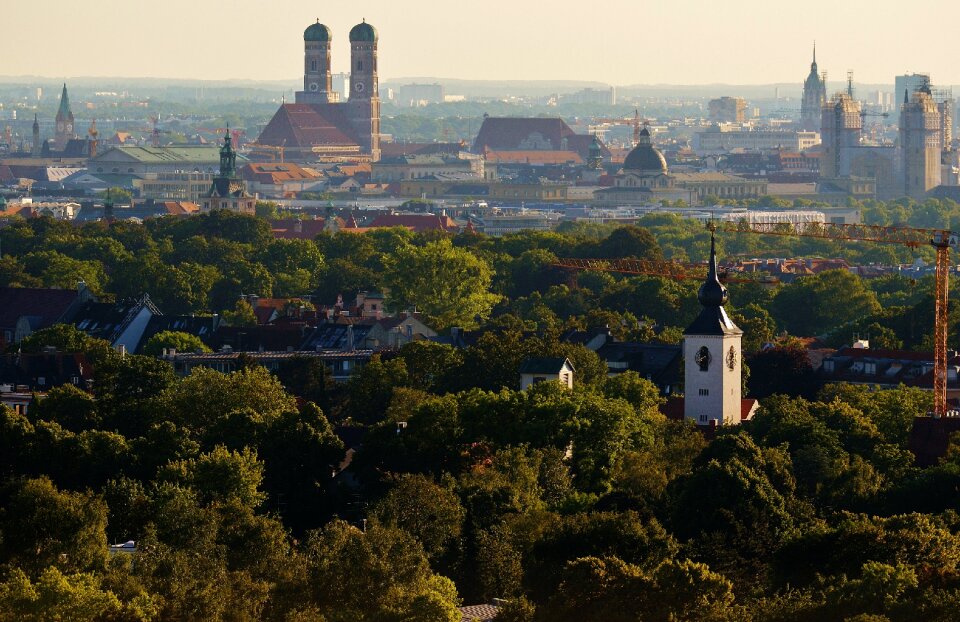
363, 32
316, 32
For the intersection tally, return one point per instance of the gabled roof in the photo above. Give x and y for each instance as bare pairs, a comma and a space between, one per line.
520, 133
276, 172
478, 613
106, 320
197, 325
304, 126
660, 363
48, 305
417, 222
544, 365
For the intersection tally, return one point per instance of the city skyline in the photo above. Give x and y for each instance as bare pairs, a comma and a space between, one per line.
686, 43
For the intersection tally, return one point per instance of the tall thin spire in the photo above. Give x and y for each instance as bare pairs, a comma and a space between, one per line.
712, 293
64, 101
814, 51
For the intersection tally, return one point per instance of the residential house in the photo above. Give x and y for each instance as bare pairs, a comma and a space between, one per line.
888, 368
123, 323
416, 222
201, 326
541, 369
45, 370
342, 364
28, 309
280, 179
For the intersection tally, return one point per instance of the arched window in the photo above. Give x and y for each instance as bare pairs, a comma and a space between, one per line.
359, 65
702, 358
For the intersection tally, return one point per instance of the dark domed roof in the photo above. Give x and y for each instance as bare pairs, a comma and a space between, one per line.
316, 32
645, 157
363, 32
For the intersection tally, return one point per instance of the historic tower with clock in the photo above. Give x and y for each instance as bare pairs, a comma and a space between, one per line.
64, 122
712, 363
364, 87
319, 124
317, 79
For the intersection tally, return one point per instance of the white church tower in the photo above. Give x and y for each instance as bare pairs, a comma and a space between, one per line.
712, 357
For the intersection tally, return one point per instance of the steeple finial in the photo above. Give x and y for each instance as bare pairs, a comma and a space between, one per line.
712, 293
814, 51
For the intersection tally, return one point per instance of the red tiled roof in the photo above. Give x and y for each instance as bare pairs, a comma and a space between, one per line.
417, 222
512, 133
481, 613
352, 170
287, 228
304, 126
179, 208
275, 172
17, 210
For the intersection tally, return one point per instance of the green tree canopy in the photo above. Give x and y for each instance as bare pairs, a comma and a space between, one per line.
180, 341
450, 285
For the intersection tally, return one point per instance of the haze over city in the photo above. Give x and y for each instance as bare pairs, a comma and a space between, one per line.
619, 42
436, 311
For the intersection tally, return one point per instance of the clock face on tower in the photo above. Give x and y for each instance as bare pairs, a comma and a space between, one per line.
314, 86
358, 87
69, 127
702, 358
731, 358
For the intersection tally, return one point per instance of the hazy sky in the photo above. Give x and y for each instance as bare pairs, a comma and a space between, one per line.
614, 41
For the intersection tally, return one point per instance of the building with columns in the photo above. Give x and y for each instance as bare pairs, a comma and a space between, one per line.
646, 180
320, 127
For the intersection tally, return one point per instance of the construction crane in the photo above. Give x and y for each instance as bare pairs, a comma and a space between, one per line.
941, 240
668, 269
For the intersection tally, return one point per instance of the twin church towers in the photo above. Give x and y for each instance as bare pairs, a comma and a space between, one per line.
362, 109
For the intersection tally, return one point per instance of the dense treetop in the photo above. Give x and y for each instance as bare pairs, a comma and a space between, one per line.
584, 504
